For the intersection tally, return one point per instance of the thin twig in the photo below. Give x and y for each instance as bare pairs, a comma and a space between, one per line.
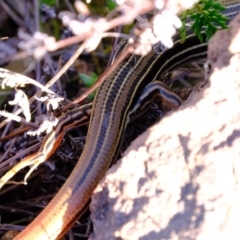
5, 131
12, 14
38, 65
8, 150
14, 134
102, 78
115, 44
20, 155
10, 188
36, 14
69, 6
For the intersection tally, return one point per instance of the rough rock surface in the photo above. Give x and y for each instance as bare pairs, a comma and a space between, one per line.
180, 179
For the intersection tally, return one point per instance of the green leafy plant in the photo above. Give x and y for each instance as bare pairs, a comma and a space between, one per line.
111, 4
48, 2
206, 17
88, 81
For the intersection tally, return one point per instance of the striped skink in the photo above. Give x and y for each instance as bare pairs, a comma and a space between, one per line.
109, 116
